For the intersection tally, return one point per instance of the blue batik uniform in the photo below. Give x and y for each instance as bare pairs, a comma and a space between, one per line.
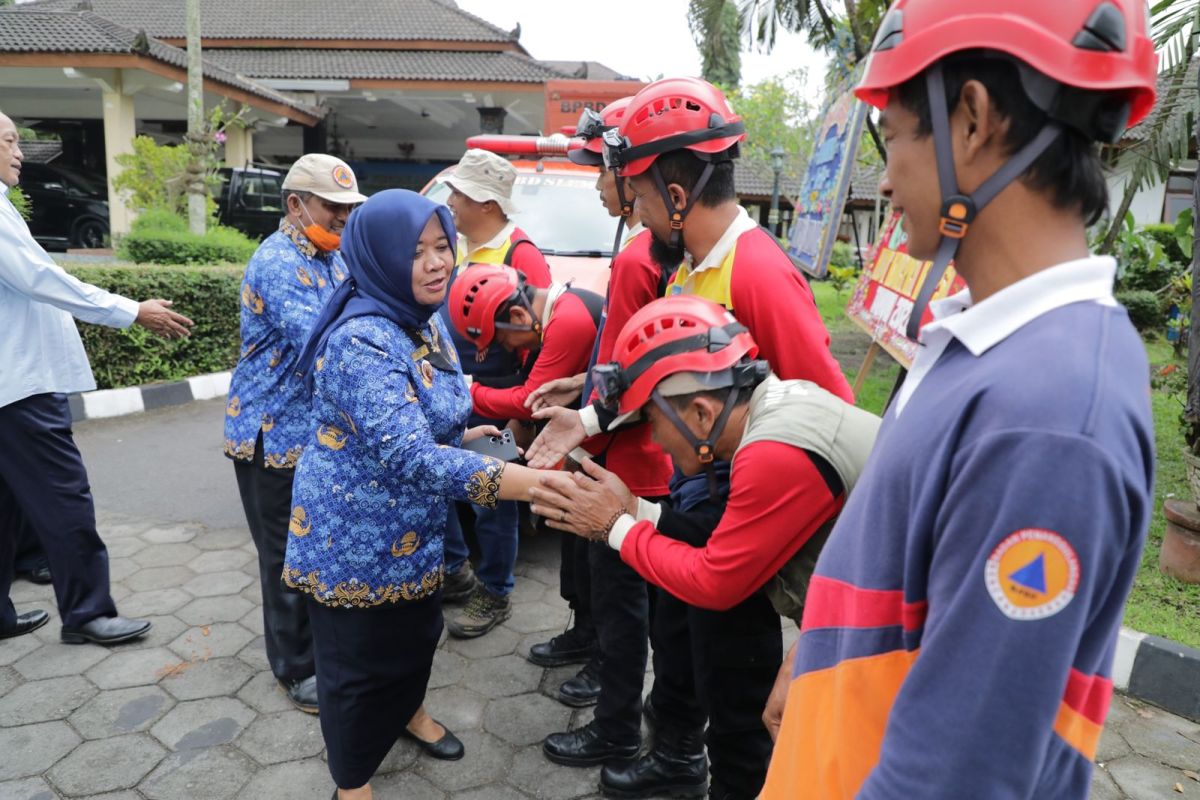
372, 488
287, 283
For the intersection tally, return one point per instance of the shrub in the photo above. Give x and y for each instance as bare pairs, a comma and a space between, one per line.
162, 237
1145, 310
843, 256
1168, 239
210, 296
20, 201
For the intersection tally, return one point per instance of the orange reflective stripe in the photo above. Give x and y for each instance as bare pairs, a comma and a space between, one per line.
1078, 731
833, 727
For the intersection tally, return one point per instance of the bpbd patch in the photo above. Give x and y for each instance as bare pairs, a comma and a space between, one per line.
1032, 574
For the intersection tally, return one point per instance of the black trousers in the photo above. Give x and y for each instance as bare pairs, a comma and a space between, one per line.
43, 484
719, 666
30, 555
715, 666
267, 501
575, 581
373, 668
620, 609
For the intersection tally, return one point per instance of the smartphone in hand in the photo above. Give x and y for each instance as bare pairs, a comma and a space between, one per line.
502, 447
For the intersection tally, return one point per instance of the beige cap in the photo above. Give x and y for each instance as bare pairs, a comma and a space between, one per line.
328, 177
483, 176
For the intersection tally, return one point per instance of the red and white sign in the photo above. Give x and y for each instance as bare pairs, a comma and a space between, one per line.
883, 298
566, 100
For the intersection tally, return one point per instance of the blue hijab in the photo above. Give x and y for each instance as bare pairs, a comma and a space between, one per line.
378, 245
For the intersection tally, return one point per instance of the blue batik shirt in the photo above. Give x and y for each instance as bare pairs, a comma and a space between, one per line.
380, 465
287, 282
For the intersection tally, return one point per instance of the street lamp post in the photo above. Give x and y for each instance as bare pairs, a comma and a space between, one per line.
777, 156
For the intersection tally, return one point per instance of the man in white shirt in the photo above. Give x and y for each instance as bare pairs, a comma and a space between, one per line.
43, 482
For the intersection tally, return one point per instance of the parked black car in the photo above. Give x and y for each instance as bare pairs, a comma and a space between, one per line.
250, 199
70, 209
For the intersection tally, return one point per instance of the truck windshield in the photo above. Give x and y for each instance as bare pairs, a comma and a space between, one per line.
561, 213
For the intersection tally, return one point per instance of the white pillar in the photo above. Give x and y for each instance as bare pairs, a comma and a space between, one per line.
239, 146
120, 126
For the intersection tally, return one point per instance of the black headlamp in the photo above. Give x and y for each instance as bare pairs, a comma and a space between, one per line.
615, 146
590, 126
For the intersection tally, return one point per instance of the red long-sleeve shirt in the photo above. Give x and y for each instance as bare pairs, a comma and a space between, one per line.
777, 501
764, 290
566, 347
635, 281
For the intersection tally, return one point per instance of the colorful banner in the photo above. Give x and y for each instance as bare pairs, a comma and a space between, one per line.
883, 299
826, 184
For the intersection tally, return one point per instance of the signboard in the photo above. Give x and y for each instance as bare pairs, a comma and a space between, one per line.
887, 288
826, 183
566, 100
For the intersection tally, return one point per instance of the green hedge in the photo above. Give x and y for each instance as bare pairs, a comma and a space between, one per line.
210, 296
1144, 307
162, 237
1165, 236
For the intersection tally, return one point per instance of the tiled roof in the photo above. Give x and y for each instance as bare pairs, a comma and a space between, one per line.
433, 65
588, 70
438, 20
755, 179
1185, 101
85, 32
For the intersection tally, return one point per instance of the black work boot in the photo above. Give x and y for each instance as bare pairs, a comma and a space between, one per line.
573, 646
674, 767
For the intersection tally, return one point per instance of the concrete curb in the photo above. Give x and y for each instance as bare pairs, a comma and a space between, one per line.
1158, 671
118, 402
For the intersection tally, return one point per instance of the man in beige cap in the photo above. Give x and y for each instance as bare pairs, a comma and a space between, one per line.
288, 280
481, 201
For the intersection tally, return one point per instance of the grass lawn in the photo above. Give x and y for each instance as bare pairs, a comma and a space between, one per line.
1158, 605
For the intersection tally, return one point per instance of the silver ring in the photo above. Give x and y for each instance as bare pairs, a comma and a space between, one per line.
564, 516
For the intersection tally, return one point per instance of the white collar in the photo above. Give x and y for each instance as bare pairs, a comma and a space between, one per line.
984, 325
555, 291
631, 233
494, 243
741, 223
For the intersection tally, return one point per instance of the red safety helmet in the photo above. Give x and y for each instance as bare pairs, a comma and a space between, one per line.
592, 127
681, 333
479, 293
676, 114
1094, 45
1087, 64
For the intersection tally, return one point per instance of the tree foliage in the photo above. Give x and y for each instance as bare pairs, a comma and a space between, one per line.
715, 26
777, 112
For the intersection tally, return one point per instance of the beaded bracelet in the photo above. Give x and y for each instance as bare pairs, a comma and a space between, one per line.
603, 535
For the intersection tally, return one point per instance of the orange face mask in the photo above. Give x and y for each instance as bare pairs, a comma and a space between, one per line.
322, 239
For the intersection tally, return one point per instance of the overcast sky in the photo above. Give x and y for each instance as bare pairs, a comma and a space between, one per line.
640, 38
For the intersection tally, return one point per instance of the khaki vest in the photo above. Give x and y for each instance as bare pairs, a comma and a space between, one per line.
802, 414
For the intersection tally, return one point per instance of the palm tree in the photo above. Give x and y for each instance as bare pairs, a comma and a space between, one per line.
715, 28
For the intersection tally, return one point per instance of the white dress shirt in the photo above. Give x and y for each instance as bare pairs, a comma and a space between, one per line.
40, 348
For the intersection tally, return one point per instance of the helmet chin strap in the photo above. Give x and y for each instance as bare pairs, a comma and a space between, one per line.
959, 210
626, 212
678, 215
706, 448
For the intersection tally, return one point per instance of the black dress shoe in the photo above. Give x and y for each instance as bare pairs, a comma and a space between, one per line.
26, 623
39, 575
106, 630
302, 693
447, 748
585, 747
570, 647
581, 690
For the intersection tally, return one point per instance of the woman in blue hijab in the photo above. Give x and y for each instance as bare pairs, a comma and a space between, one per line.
371, 491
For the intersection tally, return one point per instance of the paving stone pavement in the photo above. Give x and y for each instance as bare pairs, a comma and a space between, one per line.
192, 712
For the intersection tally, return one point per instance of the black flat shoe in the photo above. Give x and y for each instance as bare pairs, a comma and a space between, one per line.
586, 746
302, 693
40, 575
106, 630
28, 622
447, 748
